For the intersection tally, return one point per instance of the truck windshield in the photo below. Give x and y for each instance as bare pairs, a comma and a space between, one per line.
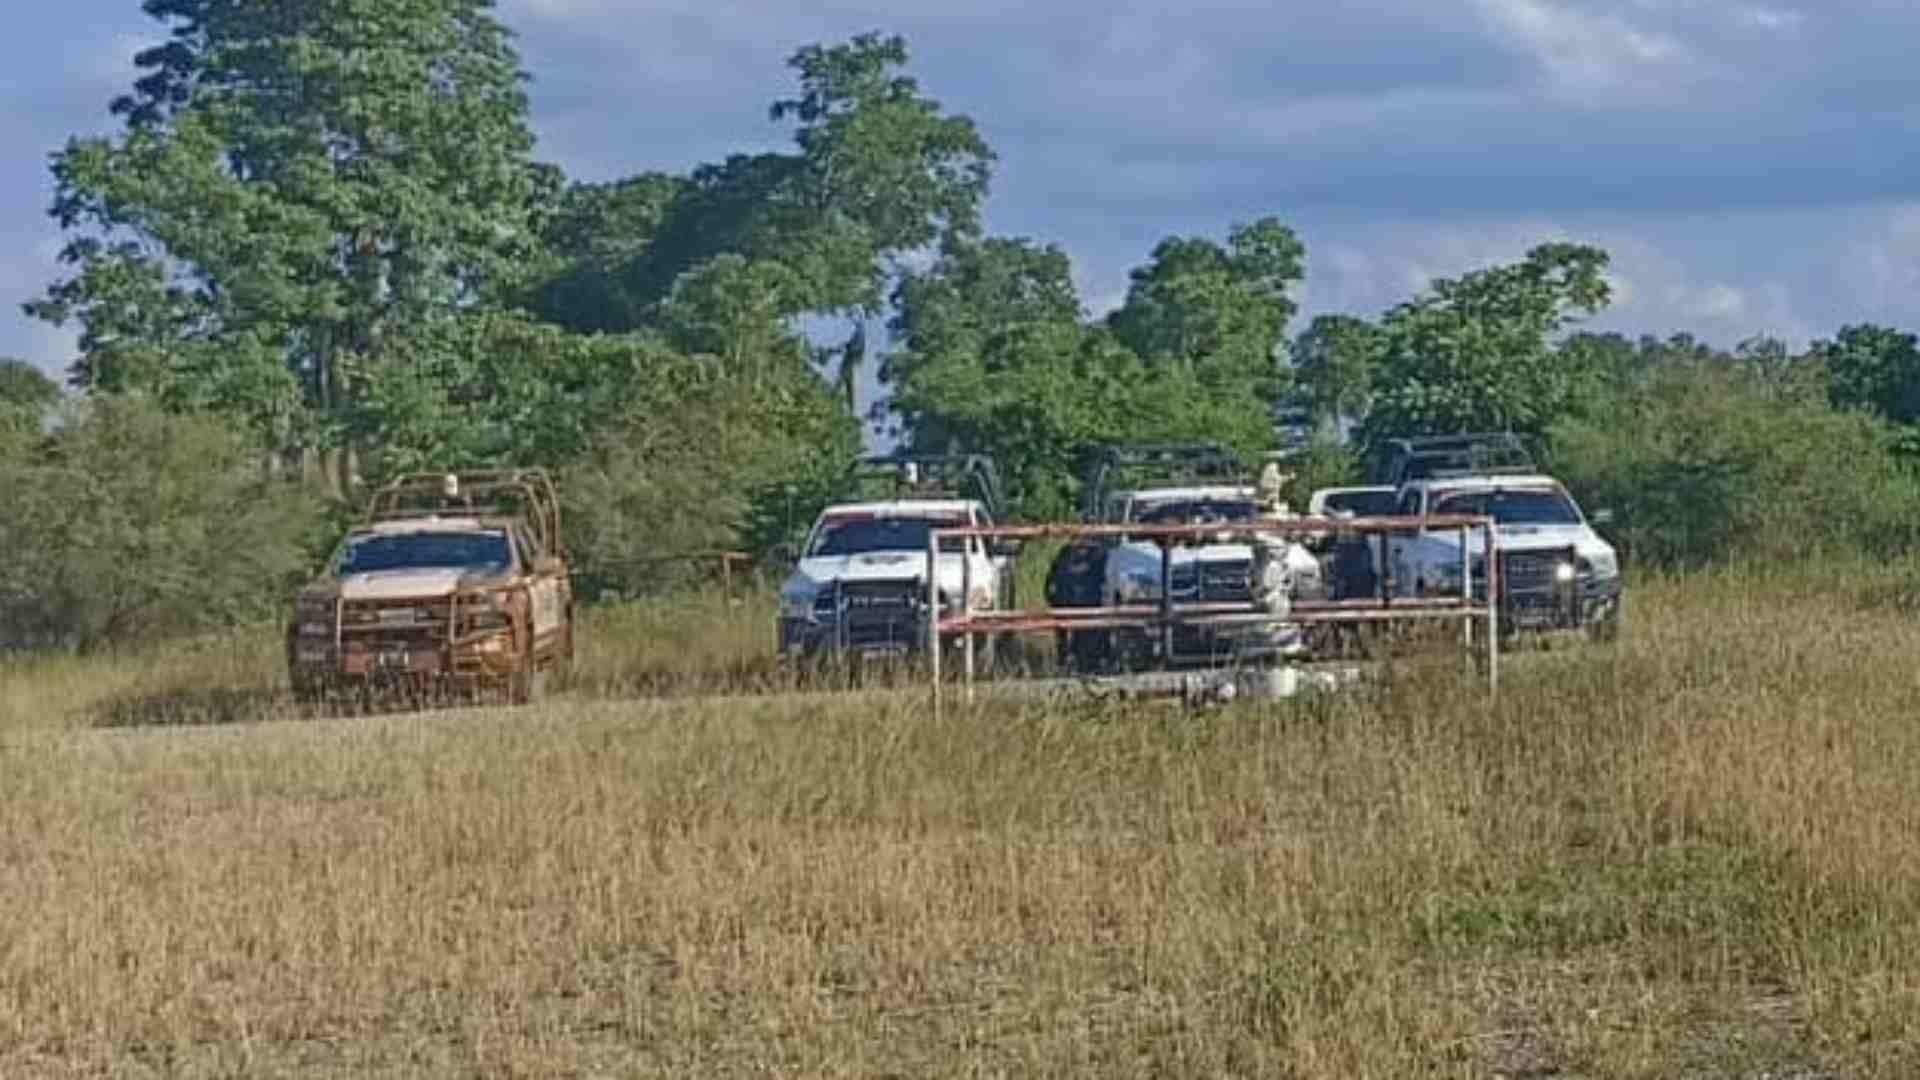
1533, 506
1362, 503
1196, 512
859, 536
487, 551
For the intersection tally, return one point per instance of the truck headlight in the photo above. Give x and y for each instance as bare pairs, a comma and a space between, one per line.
1565, 572
1139, 585
1185, 579
798, 603
314, 618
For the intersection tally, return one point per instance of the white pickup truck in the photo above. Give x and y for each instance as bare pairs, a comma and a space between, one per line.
1556, 572
860, 585
1202, 573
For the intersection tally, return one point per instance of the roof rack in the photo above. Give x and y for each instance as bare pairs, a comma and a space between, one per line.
1419, 457
1137, 465
931, 476
527, 493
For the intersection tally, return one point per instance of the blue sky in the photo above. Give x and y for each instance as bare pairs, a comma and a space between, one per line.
1753, 167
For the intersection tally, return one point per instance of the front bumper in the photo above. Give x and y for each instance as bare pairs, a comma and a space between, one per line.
475, 663
810, 638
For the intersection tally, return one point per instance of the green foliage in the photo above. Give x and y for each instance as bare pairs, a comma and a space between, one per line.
995, 356
131, 522
1324, 462
300, 184
878, 170
1219, 312
704, 462
1704, 461
1333, 361
1874, 368
25, 392
1472, 353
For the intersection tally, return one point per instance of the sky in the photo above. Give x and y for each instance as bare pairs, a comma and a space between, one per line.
1753, 168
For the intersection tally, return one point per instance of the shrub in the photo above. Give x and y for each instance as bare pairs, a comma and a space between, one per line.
1701, 463
128, 522
717, 465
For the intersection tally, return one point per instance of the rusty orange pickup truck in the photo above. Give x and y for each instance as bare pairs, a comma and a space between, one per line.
455, 582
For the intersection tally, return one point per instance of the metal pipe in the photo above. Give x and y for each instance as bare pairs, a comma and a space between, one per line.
1301, 526
966, 609
1466, 588
1493, 607
933, 615
1166, 602
1386, 571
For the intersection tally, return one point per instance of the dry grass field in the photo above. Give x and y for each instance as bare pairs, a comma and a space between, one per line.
1694, 854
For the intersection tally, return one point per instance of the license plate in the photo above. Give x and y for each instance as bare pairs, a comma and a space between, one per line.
397, 616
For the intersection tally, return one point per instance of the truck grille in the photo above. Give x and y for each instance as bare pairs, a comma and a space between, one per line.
381, 623
1226, 581
881, 614
1531, 593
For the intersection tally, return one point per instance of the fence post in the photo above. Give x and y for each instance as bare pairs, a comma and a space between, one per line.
933, 614
966, 615
1166, 600
1493, 607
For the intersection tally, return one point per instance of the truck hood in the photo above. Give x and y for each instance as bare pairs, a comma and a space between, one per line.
817, 573
1584, 541
1137, 557
411, 584
1145, 558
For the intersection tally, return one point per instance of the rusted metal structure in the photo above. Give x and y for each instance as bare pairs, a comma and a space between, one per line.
1477, 605
453, 581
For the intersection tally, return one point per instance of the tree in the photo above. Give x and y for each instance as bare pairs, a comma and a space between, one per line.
1472, 353
301, 183
994, 356
878, 170
129, 522
1702, 461
1874, 368
708, 463
1333, 360
25, 388
1220, 312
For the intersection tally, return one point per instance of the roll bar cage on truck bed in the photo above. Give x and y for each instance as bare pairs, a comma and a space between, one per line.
1425, 457
525, 493
931, 476
1117, 466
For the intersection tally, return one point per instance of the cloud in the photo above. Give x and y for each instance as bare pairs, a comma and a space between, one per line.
1753, 164
1588, 56
1660, 284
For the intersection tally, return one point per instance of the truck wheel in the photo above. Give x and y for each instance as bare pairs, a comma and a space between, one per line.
527, 685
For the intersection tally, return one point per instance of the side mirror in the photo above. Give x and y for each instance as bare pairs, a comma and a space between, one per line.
1602, 517
784, 554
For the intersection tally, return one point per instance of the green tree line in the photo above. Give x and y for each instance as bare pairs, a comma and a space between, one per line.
321, 249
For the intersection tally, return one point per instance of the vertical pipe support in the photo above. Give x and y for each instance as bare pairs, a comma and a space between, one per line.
1494, 586
966, 615
1166, 601
933, 614
1466, 587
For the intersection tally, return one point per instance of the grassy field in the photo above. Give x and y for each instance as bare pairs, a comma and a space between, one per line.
1694, 854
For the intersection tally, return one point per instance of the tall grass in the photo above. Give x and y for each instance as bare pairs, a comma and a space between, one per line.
1696, 853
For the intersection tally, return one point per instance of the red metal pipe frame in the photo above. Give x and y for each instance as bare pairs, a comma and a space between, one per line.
1385, 609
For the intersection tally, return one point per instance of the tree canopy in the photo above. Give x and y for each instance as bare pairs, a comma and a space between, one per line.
323, 224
